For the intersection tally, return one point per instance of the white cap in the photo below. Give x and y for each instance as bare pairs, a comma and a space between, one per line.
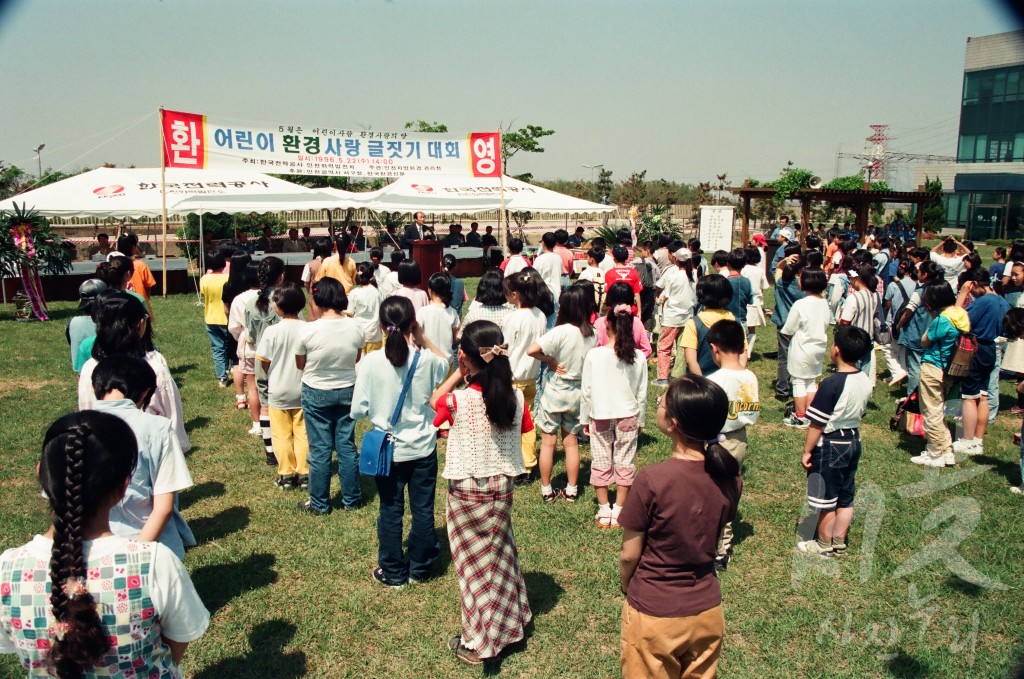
786, 233
682, 254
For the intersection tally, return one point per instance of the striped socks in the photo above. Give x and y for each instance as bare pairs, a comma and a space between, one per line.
268, 444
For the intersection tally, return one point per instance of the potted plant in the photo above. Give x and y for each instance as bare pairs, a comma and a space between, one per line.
27, 246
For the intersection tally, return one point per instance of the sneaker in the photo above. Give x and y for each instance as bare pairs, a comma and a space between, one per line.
303, 481
271, 460
307, 507
285, 482
838, 548
379, 576
552, 496
928, 461
965, 446
812, 547
722, 563
796, 422
949, 459
255, 430
1017, 490
223, 381
661, 383
896, 379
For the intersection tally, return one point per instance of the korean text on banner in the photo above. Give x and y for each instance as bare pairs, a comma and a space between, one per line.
716, 227
196, 141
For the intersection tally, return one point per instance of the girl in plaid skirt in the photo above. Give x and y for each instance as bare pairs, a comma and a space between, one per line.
484, 455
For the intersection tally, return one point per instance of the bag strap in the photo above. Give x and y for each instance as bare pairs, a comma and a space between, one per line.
405, 389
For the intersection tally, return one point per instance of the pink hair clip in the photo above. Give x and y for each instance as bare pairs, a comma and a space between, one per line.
622, 309
488, 353
74, 588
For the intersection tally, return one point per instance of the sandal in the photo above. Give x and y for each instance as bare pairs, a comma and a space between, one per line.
466, 655
603, 519
570, 497
552, 496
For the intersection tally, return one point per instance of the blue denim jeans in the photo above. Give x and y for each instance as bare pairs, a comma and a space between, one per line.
993, 384
330, 427
913, 366
419, 479
218, 335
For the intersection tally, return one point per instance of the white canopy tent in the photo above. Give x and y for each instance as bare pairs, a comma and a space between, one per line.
470, 195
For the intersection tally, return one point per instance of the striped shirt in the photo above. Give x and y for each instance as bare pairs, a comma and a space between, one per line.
860, 310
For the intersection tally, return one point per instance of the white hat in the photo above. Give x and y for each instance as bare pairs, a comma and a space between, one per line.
786, 233
682, 254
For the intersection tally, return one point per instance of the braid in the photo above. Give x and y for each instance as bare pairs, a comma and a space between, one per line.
263, 277
81, 640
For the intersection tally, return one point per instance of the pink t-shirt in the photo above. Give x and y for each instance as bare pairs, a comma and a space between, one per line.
566, 255
639, 334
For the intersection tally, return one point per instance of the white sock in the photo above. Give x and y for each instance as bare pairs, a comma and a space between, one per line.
605, 508
751, 338
570, 489
545, 490
616, 509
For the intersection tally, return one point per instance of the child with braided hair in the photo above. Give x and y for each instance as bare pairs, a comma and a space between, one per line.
260, 315
110, 603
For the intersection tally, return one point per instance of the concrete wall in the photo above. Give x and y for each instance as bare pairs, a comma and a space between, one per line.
994, 51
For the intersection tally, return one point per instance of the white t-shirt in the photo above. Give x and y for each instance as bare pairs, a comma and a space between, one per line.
523, 328
549, 266
307, 275
567, 345
612, 389
380, 275
516, 263
758, 282
744, 403
183, 617
807, 325
860, 310
952, 267
236, 314
680, 296
438, 323
390, 285
331, 346
607, 264
596, 278
364, 305
279, 345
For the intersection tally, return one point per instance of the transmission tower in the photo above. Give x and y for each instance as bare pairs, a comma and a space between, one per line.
876, 165
877, 158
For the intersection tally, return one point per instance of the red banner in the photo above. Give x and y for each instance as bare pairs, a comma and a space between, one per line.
485, 154
184, 140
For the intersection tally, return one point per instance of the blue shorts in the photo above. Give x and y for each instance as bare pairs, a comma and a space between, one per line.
833, 466
975, 385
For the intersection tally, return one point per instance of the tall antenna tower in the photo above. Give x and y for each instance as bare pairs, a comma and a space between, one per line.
877, 153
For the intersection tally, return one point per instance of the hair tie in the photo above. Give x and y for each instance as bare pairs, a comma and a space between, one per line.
717, 439
622, 310
488, 353
391, 329
74, 588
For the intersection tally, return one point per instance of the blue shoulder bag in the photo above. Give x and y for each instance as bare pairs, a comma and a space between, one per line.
378, 445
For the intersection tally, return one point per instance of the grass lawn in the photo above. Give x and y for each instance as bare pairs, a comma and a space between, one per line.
927, 589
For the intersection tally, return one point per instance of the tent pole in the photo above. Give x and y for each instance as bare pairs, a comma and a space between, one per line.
202, 253
163, 201
503, 215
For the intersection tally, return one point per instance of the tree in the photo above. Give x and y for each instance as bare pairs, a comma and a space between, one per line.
424, 126
523, 139
934, 210
604, 183
634, 189
11, 179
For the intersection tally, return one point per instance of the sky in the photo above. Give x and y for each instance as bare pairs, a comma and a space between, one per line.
684, 89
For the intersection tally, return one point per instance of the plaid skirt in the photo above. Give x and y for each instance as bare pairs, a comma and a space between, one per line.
495, 610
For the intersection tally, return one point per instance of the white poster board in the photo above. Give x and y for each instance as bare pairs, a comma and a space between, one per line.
716, 222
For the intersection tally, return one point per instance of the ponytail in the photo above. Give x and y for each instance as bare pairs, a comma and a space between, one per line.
86, 457
619, 323
270, 270
397, 315
698, 409
494, 374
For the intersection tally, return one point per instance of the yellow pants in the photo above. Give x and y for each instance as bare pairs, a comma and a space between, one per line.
288, 433
372, 346
529, 389
671, 648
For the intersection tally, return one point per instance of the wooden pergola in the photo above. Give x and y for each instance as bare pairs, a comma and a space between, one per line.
861, 201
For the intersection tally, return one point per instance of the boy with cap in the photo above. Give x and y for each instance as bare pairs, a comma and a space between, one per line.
677, 298
82, 327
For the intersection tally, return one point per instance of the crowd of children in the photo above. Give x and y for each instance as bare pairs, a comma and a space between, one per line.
534, 350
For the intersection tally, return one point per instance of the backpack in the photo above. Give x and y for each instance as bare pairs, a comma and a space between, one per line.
899, 310
966, 348
705, 359
646, 273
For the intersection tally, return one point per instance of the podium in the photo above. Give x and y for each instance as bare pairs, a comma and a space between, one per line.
427, 253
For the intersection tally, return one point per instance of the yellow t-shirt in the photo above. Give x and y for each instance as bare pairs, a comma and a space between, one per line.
708, 317
211, 287
343, 273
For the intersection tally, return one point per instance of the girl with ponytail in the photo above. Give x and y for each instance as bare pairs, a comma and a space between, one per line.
152, 614
482, 461
617, 295
378, 389
260, 315
671, 524
339, 267
613, 403
364, 306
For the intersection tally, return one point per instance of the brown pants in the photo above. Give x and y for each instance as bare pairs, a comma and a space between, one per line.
671, 648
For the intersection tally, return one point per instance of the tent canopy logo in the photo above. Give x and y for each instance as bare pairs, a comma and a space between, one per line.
423, 188
111, 190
